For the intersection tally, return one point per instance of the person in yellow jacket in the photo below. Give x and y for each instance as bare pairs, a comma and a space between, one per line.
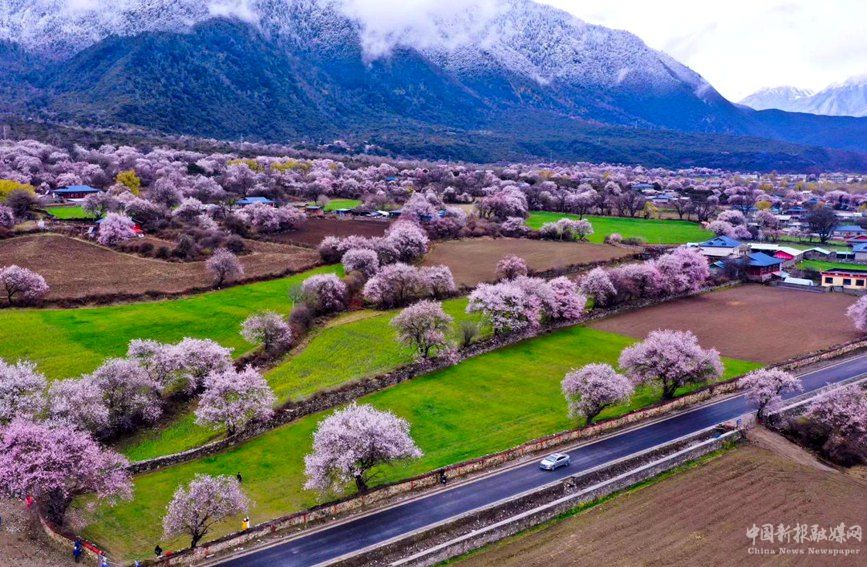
245, 524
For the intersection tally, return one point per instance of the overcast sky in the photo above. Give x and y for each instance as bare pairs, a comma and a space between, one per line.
740, 46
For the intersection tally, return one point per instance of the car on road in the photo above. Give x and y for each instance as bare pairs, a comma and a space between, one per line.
554, 461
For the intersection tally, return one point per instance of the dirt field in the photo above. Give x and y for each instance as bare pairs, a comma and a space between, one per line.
76, 268
753, 322
475, 260
314, 230
701, 516
22, 542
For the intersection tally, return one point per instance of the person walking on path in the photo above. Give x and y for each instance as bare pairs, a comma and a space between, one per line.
245, 525
77, 550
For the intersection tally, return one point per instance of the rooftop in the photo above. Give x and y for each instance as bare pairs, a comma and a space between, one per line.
721, 242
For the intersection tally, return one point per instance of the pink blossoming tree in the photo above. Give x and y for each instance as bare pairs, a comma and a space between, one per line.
840, 416
348, 444
361, 260
566, 302
206, 501
438, 281
114, 229
506, 306
597, 284
22, 285
223, 266
510, 267
268, 329
594, 387
423, 326
408, 239
396, 285
673, 358
324, 293
7, 217
766, 386
80, 404
55, 463
857, 313
232, 399
128, 392
21, 391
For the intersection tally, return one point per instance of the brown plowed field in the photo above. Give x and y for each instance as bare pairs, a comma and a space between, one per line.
475, 260
314, 230
76, 269
701, 516
751, 322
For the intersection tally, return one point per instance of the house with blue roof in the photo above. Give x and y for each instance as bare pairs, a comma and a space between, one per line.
75, 192
859, 250
251, 200
848, 231
723, 247
761, 267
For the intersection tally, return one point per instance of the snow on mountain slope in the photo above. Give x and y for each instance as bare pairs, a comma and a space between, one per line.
840, 99
464, 36
782, 98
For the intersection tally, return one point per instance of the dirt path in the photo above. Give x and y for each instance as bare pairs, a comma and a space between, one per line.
701, 516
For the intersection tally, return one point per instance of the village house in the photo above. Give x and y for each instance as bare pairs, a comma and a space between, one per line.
761, 267
75, 192
848, 231
722, 247
848, 278
859, 252
252, 200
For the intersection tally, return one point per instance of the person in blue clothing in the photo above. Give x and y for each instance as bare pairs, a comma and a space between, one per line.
77, 550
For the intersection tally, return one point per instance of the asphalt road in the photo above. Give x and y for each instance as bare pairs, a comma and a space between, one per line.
377, 527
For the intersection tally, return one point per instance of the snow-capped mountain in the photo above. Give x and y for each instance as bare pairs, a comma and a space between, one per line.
848, 98
782, 98
528, 75
520, 36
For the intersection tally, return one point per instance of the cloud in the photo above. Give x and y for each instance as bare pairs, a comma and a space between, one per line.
240, 9
741, 46
448, 24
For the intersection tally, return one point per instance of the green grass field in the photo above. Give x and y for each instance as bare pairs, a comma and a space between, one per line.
821, 265
67, 342
483, 405
68, 213
653, 231
335, 204
353, 346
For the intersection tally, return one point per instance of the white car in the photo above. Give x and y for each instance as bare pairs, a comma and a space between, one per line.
554, 462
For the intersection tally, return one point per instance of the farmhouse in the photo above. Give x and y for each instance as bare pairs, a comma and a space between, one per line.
723, 247
848, 278
787, 254
75, 192
761, 267
859, 252
251, 200
848, 231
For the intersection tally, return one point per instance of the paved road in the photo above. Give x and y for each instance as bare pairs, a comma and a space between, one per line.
375, 528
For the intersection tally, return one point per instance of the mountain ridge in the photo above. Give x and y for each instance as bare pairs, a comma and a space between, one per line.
305, 70
845, 98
